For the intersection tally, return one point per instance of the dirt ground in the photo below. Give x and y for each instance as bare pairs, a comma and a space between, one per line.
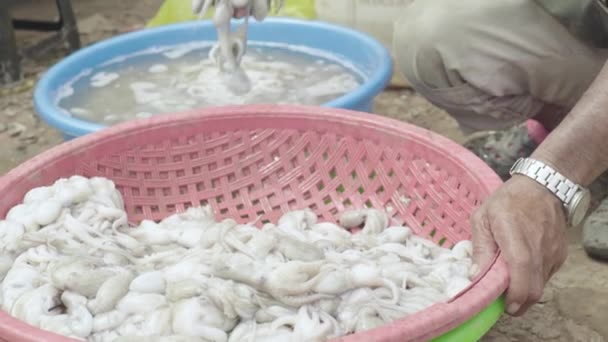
575, 304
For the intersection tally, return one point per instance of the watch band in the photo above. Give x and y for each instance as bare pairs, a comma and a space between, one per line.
542, 173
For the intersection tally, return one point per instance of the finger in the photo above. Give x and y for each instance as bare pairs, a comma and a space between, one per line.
519, 284
517, 254
484, 246
535, 291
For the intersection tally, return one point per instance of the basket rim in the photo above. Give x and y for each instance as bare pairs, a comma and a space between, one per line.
438, 319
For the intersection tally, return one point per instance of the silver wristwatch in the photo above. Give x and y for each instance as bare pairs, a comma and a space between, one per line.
576, 199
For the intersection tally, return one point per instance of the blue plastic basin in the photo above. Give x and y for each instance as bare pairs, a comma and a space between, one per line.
359, 50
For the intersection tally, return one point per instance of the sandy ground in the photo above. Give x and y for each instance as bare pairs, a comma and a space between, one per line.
575, 304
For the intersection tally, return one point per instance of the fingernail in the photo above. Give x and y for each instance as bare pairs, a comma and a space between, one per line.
513, 308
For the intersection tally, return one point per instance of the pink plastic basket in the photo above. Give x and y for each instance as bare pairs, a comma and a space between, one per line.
264, 160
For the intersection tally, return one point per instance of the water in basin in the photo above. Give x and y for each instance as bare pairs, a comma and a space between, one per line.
182, 77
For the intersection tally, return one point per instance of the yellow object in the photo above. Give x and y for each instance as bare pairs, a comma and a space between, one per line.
175, 11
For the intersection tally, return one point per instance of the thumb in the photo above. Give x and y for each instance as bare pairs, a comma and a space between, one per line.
484, 245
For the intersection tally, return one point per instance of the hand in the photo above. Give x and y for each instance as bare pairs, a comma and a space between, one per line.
240, 8
528, 224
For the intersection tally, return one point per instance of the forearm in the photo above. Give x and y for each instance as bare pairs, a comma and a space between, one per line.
578, 147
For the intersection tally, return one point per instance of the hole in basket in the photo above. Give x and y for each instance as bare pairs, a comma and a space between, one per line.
196, 170
223, 211
171, 208
347, 202
327, 200
380, 189
147, 175
341, 188
255, 202
332, 173
180, 173
212, 166
433, 233
306, 152
161, 160
203, 203
101, 168
167, 191
163, 175
372, 175
246, 171
188, 205
313, 207
325, 156
130, 159
306, 195
235, 194
219, 199
368, 203
245, 217
183, 189
442, 241
353, 174
391, 173
135, 191
138, 209
150, 191
177, 159
361, 189
231, 177
132, 174
215, 183
280, 173
154, 208
416, 212
227, 161
240, 206
260, 213
200, 186
320, 185
193, 155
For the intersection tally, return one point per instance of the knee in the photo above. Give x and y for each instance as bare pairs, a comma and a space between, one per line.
432, 35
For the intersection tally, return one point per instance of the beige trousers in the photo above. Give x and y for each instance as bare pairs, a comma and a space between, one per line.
495, 63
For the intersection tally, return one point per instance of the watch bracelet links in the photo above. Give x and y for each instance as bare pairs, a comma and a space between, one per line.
545, 175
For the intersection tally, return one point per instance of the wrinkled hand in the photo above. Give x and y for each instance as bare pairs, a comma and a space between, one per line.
528, 224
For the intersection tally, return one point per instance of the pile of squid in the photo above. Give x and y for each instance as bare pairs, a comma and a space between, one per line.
71, 264
232, 45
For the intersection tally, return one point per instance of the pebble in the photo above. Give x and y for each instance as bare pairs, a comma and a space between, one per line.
595, 234
15, 129
3, 127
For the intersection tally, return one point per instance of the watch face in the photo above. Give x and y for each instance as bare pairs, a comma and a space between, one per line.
580, 208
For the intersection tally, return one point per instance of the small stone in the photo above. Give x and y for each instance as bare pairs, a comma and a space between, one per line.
595, 234
3, 127
10, 113
15, 129
29, 139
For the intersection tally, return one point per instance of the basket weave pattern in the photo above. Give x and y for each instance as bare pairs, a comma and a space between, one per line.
255, 163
